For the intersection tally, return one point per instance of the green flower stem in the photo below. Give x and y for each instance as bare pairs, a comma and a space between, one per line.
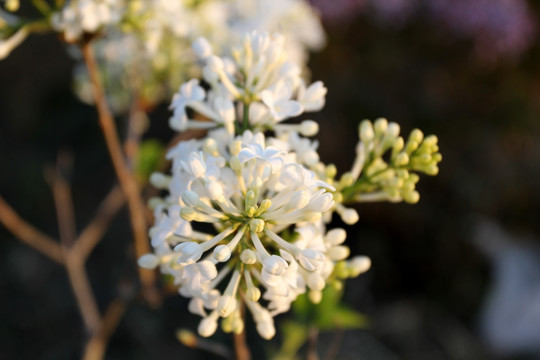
42, 7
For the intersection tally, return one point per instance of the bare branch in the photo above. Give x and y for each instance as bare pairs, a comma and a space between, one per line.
93, 233
28, 234
125, 177
96, 346
74, 264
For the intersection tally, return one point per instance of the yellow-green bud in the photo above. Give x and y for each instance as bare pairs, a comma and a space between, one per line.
249, 201
253, 293
402, 159
377, 165
248, 257
431, 140
227, 324
188, 214
12, 5
315, 296
397, 146
411, 197
337, 284
380, 125
338, 197
416, 135
256, 225
411, 146
235, 147
235, 164
187, 338
265, 205
341, 271
366, 131
346, 180
331, 171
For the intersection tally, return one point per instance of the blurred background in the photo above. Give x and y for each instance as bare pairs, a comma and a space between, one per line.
456, 276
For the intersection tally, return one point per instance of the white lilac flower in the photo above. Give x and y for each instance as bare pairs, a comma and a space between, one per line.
156, 35
261, 195
260, 77
250, 192
86, 16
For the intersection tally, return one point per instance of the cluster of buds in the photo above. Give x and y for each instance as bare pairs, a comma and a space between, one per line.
259, 193
385, 167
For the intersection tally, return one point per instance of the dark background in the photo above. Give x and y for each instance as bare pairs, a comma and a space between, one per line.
430, 280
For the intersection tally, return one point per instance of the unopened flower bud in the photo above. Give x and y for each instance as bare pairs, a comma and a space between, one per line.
153, 202
253, 293
359, 265
265, 205
12, 5
341, 269
148, 261
256, 225
380, 126
349, 216
402, 159
339, 252
309, 128
393, 130
366, 131
237, 325
190, 198
331, 171
202, 48
248, 257
411, 197
416, 135
208, 325
266, 329
315, 296
159, 180
336, 236
222, 253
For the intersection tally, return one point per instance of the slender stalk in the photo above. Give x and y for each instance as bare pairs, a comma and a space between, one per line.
241, 349
74, 265
312, 344
96, 346
28, 234
93, 232
245, 121
125, 177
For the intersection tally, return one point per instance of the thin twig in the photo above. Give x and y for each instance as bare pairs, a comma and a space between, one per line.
93, 232
29, 234
312, 344
241, 349
190, 340
96, 346
134, 129
333, 349
74, 264
125, 177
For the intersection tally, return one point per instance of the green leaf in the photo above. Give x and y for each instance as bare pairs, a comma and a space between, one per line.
347, 318
149, 157
294, 336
